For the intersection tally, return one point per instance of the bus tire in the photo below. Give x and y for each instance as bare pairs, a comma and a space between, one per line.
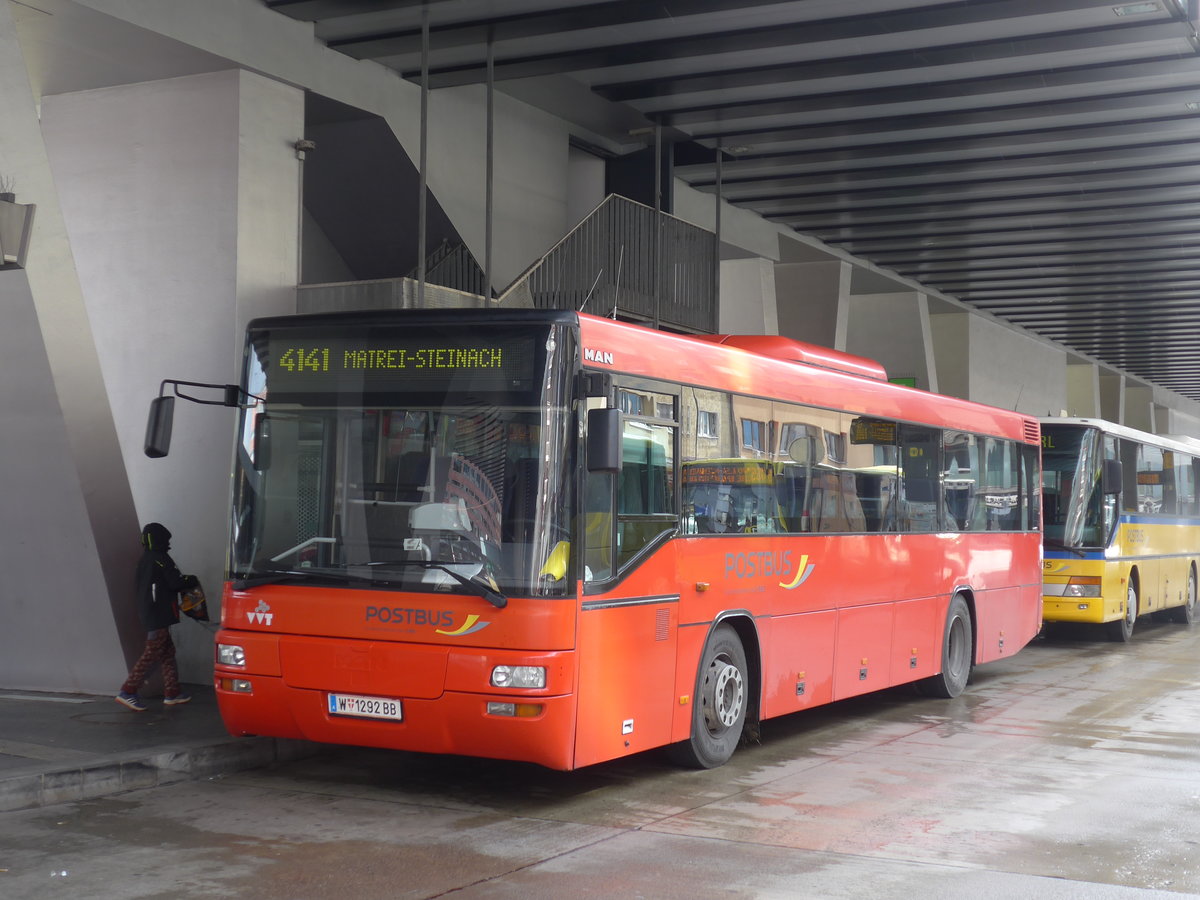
1122, 629
958, 653
719, 705
1186, 614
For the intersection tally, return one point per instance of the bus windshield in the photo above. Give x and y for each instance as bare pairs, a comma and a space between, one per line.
1074, 508
432, 458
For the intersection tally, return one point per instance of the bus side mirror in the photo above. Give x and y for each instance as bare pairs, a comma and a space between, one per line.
1111, 476
604, 440
158, 427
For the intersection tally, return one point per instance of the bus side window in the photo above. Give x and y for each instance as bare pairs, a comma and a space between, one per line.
1030, 487
1002, 474
645, 487
790, 491
598, 527
1185, 468
920, 462
1129, 467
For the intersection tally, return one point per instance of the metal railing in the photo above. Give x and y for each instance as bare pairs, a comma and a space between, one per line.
627, 260
624, 260
452, 266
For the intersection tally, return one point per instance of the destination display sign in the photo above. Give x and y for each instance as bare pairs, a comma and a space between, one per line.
416, 360
747, 472
872, 431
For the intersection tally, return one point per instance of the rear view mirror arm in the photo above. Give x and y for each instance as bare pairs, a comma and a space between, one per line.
162, 410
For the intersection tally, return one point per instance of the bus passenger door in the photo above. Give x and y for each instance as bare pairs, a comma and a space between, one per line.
630, 607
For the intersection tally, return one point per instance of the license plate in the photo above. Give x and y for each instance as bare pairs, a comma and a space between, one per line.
365, 707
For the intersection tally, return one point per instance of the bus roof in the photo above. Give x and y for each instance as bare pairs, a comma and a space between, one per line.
1178, 443
767, 366
705, 362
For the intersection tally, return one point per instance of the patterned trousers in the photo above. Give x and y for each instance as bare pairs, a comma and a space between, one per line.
159, 649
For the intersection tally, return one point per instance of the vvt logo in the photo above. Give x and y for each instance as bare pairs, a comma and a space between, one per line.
261, 615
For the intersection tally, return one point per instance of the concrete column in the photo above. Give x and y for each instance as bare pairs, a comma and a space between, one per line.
950, 334
893, 329
59, 628
1083, 390
1139, 407
1112, 397
70, 528
748, 303
1012, 370
809, 298
181, 198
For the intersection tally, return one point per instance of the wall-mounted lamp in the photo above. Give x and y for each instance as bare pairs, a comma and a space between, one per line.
303, 146
16, 228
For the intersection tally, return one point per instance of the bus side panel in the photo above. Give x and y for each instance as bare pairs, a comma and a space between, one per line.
864, 649
627, 662
916, 650
799, 663
1163, 581
1000, 622
626, 680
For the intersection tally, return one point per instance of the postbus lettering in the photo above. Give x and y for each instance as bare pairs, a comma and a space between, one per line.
399, 615
760, 564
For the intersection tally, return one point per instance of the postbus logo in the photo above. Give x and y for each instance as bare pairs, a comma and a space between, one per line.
442, 621
765, 564
604, 357
802, 572
469, 626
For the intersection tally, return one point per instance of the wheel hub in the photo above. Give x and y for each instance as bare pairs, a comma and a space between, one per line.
723, 706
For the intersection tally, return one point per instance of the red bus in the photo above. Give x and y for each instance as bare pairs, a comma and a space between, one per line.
552, 537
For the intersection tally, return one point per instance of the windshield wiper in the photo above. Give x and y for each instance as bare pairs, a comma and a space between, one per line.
274, 576
1059, 545
477, 584
271, 576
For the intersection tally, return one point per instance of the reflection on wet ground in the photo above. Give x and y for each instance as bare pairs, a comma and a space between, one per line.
1070, 770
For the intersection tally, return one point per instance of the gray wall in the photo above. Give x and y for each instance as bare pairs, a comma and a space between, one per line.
59, 628
180, 198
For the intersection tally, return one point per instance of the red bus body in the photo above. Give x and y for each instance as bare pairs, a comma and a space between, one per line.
621, 664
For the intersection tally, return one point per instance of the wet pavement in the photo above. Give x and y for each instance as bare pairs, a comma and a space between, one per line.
1071, 770
61, 747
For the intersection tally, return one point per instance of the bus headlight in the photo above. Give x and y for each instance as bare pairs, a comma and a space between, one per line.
230, 655
1083, 586
519, 677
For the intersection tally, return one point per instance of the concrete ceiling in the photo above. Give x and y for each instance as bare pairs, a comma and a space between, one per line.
1032, 158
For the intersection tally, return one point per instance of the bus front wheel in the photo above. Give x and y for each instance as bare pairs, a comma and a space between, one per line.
1122, 629
719, 705
958, 646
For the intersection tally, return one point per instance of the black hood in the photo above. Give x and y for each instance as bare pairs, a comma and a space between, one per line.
156, 537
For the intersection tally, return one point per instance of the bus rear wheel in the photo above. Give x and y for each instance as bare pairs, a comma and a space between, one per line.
719, 705
1186, 614
958, 646
1122, 629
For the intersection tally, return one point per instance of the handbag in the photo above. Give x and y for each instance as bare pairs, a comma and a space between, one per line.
193, 604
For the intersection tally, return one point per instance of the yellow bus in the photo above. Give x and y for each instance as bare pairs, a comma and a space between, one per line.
1121, 525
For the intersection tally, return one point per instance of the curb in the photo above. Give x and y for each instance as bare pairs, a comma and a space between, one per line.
133, 771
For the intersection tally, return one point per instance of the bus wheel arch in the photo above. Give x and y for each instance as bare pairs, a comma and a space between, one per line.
1186, 614
957, 650
725, 702
1121, 630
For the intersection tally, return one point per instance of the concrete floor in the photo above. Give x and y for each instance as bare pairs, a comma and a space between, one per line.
1072, 770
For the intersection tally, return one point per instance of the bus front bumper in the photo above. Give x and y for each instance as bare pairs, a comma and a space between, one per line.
455, 723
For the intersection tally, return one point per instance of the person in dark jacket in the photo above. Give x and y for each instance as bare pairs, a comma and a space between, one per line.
158, 584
